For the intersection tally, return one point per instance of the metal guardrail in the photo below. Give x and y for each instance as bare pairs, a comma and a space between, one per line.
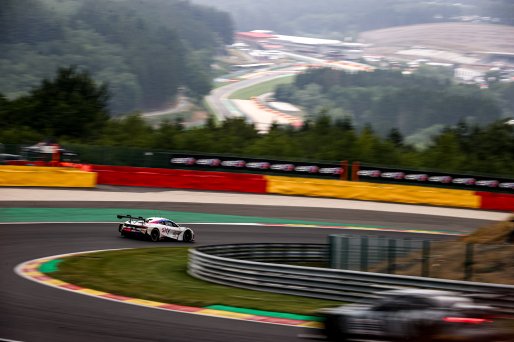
241, 265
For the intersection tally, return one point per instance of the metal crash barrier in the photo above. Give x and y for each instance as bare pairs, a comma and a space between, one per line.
256, 267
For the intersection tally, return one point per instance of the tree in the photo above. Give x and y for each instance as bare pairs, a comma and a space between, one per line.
145, 50
367, 145
395, 137
199, 77
445, 152
71, 105
131, 130
388, 99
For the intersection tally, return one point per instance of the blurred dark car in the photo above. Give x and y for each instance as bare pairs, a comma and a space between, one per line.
414, 315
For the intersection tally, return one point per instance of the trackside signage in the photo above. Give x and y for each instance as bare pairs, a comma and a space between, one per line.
452, 180
267, 166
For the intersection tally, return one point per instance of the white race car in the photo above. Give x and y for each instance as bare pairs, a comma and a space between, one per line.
154, 228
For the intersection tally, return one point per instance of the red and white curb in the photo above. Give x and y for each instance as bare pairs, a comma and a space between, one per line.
30, 270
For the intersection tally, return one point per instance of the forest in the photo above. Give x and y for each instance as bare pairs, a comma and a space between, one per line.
388, 99
146, 50
124, 56
84, 119
347, 18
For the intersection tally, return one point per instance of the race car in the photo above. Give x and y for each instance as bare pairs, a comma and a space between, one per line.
154, 229
414, 315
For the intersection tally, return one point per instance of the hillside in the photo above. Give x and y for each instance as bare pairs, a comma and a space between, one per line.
340, 18
388, 99
144, 49
465, 39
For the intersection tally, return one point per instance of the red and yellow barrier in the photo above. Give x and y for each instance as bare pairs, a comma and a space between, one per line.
372, 192
180, 179
46, 176
77, 175
496, 201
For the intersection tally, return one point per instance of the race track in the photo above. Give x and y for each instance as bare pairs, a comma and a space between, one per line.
32, 312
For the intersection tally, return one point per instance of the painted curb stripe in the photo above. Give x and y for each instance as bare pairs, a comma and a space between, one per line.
93, 292
264, 313
32, 270
115, 297
50, 266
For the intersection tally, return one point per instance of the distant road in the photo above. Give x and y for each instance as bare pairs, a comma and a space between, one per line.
222, 106
218, 100
182, 105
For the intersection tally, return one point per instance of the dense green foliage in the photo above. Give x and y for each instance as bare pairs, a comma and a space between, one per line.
388, 99
348, 17
72, 109
71, 106
146, 50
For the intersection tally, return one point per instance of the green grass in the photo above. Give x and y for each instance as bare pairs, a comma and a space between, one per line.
261, 88
159, 274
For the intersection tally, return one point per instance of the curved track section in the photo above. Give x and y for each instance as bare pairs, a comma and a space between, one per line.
31, 312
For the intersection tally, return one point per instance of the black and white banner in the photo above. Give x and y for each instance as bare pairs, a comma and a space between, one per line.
411, 177
260, 165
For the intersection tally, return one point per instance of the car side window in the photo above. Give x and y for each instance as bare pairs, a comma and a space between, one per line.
403, 303
424, 304
389, 304
415, 303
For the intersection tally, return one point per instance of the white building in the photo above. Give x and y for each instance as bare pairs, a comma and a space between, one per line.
468, 75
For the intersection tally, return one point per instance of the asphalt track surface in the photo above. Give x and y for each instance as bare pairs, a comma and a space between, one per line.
32, 312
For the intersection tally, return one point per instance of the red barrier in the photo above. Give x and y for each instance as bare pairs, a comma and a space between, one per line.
179, 179
496, 201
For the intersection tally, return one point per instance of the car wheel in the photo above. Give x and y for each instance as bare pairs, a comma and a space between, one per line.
155, 235
421, 333
188, 236
335, 329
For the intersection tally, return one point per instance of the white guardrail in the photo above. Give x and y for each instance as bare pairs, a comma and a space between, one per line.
264, 267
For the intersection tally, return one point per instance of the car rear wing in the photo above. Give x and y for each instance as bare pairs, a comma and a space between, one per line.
130, 217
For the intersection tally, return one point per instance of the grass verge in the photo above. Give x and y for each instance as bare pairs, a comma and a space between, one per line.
261, 88
159, 274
